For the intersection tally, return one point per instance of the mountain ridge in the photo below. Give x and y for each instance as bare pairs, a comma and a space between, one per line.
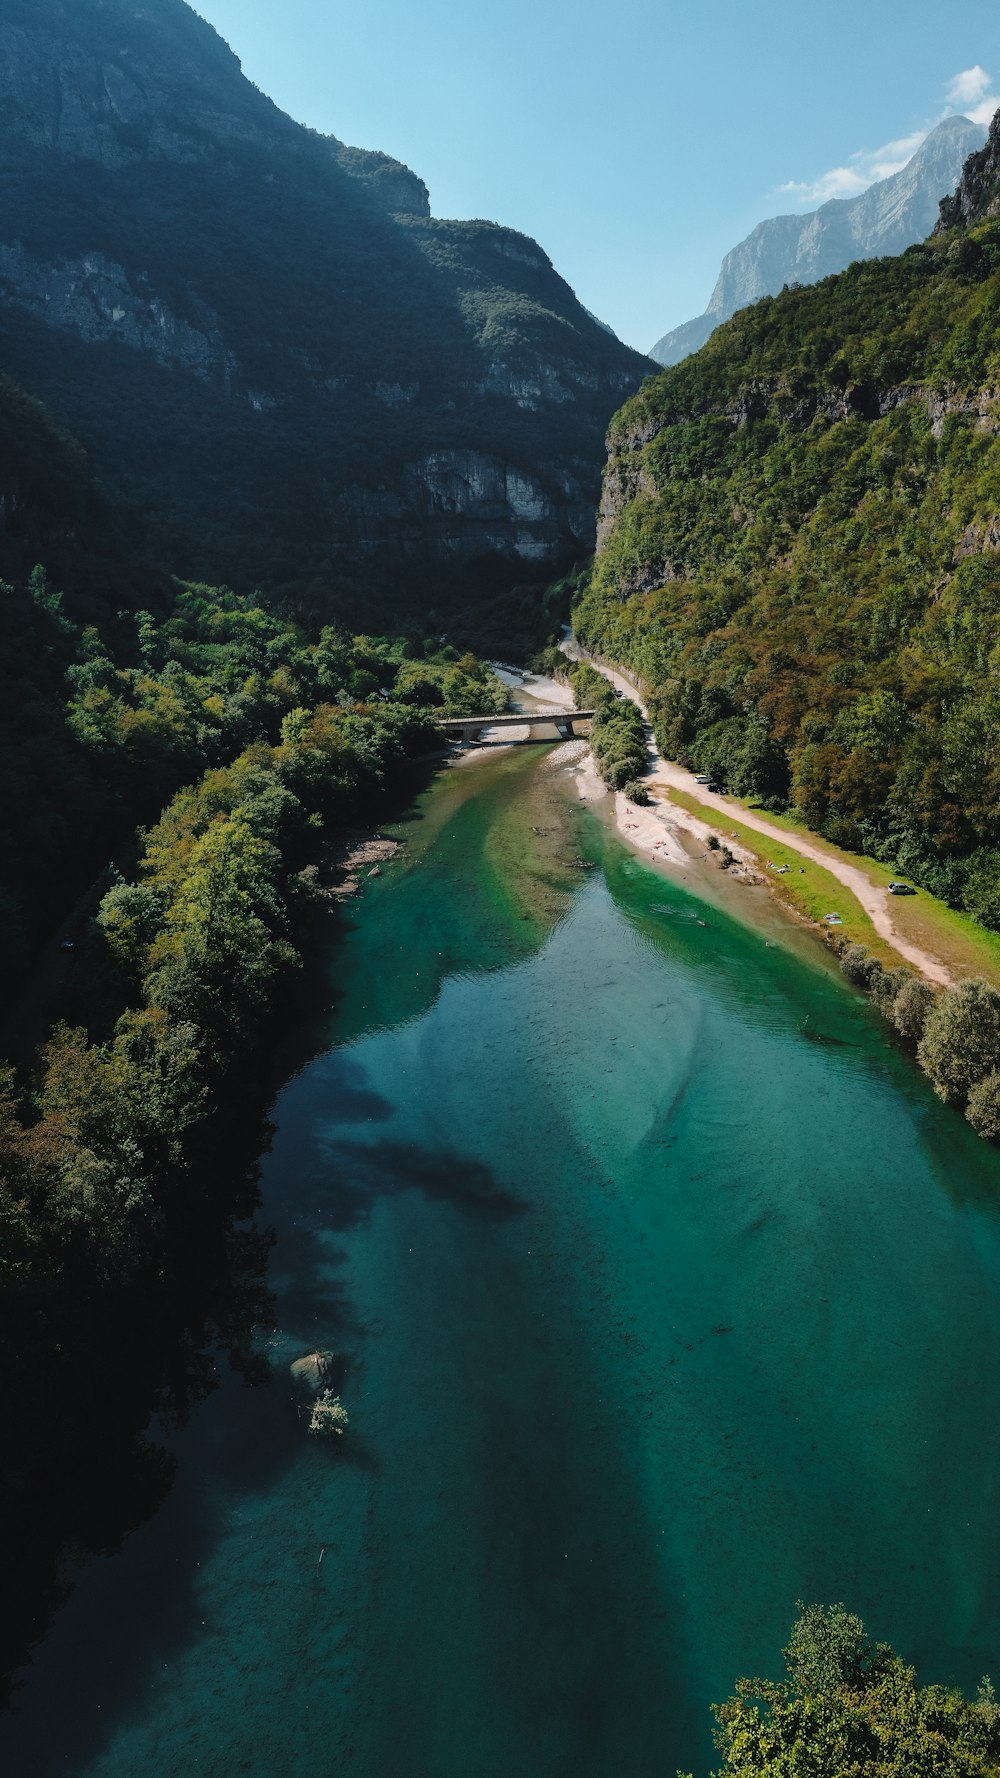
801, 249
285, 371
799, 553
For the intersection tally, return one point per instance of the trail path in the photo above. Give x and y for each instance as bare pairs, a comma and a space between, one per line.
872, 897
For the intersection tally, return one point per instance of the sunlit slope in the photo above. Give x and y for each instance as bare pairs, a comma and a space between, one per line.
799, 555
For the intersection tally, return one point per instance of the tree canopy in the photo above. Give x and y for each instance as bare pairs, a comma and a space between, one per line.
852, 1709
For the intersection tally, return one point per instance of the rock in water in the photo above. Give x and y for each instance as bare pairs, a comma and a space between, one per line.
313, 1371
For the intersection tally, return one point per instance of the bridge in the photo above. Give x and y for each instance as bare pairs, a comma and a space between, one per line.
468, 729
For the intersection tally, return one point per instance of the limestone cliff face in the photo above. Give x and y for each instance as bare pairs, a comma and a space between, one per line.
887, 218
281, 365
978, 195
98, 301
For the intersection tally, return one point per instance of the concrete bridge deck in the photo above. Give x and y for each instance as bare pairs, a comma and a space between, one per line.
468, 729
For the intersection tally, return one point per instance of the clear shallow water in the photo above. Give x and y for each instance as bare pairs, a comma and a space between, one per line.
657, 1314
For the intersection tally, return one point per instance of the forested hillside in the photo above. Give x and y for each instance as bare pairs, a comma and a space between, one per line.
286, 372
241, 744
800, 555
119, 684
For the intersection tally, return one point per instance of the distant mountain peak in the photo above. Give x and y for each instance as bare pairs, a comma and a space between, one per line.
803, 248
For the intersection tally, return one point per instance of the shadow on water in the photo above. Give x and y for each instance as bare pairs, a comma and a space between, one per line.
135, 1617
98, 1379
385, 1168
605, 1424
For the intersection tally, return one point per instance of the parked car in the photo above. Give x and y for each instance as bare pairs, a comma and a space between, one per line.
901, 889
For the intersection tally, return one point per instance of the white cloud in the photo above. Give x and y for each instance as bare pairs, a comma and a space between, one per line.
969, 92
968, 87
984, 112
862, 170
839, 182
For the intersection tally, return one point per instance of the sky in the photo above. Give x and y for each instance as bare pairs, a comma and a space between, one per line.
637, 141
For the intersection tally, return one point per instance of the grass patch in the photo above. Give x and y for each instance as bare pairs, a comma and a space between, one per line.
963, 946
809, 889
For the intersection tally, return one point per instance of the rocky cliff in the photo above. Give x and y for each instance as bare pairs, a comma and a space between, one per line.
978, 196
800, 553
887, 218
284, 370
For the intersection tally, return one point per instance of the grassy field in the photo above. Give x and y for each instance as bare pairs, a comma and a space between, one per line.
962, 946
960, 942
810, 890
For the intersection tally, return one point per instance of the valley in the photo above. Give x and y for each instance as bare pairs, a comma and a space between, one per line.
497, 1241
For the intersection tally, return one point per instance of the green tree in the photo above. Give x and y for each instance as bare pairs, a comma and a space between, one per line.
960, 1045
853, 1710
911, 1006
983, 1110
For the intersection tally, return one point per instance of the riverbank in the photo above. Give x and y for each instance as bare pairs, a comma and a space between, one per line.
716, 1248
661, 831
691, 802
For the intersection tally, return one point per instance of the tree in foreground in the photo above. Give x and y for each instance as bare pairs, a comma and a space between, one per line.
961, 1041
853, 1709
911, 1006
983, 1110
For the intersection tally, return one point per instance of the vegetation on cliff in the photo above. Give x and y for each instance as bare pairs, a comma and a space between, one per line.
241, 742
288, 374
801, 559
851, 1708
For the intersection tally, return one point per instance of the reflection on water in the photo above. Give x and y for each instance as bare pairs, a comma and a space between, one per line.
655, 1314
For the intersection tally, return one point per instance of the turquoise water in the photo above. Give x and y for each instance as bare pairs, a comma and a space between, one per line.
666, 1295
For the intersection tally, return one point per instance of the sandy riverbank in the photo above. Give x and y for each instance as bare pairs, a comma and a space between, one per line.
668, 835
872, 897
662, 832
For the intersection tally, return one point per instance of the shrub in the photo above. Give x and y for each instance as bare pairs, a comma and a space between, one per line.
828, 1647
984, 1107
911, 1006
859, 968
885, 988
617, 772
636, 792
961, 1041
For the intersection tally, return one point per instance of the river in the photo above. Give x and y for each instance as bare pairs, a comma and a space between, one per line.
666, 1295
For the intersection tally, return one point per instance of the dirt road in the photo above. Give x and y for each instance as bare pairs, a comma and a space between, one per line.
875, 900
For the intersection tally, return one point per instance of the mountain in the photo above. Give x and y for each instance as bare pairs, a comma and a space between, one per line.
978, 196
887, 218
800, 553
285, 372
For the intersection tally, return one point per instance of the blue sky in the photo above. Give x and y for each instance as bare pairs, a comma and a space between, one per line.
636, 141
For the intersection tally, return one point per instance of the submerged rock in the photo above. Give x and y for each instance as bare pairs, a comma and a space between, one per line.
313, 1372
